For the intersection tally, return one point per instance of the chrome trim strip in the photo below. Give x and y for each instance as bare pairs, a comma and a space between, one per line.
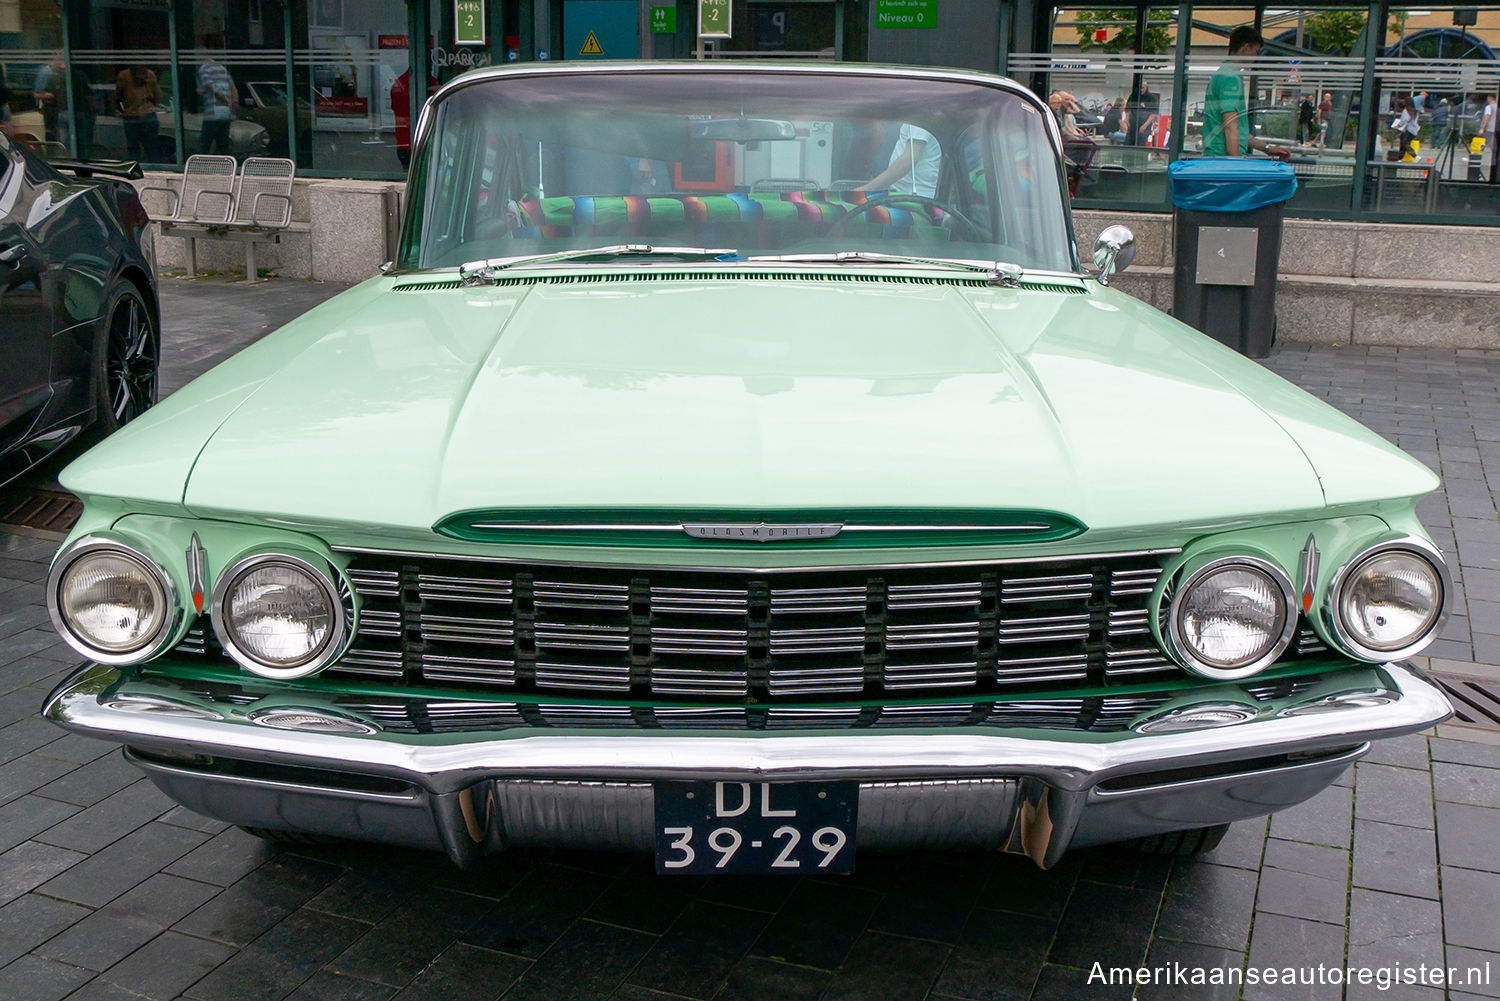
1333, 598
701, 568
172, 614
1065, 761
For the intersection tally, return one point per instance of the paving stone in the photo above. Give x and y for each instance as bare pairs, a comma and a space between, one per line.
107, 820
1470, 902
326, 986
758, 979
1386, 930
1209, 905
1122, 867
101, 990
28, 921
644, 901
1468, 836
1406, 752
1393, 795
1395, 859
1280, 943
29, 865
695, 955
1298, 895
1477, 972
538, 910
925, 896
1064, 983
465, 971
888, 967
28, 773
1323, 820
33, 978
1242, 845
590, 960
167, 965
127, 923
225, 858
110, 872
90, 783
1106, 924
181, 816
23, 818
818, 925
1214, 964
77, 748
281, 959
396, 950
23, 737
1469, 784
1315, 860
998, 956
260, 900
1016, 884
1465, 752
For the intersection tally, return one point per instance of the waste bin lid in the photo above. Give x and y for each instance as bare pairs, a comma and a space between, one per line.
1230, 183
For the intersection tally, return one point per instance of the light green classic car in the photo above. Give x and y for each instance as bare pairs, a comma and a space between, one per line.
738, 463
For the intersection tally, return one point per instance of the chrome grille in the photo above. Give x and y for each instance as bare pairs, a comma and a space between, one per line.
775, 636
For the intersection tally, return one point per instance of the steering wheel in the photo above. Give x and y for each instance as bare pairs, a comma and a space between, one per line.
971, 230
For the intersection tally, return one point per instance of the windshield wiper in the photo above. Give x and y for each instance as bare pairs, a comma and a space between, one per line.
998, 272
480, 272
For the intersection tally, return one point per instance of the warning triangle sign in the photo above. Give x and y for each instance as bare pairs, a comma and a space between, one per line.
591, 46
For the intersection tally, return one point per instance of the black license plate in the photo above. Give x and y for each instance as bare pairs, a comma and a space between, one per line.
755, 827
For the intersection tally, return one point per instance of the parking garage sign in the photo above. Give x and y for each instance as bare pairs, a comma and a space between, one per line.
468, 22
713, 19
906, 13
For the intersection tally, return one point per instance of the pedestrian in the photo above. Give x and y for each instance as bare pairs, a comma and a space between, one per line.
218, 101
1144, 108
1487, 130
137, 94
49, 91
1407, 125
1440, 113
915, 165
1226, 126
1307, 120
1325, 117
1116, 121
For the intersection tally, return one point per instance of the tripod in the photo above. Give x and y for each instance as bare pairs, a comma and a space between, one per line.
1444, 163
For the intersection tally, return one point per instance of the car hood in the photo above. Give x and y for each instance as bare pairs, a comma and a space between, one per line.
839, 391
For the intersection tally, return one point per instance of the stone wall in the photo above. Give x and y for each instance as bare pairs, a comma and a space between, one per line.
1347, 283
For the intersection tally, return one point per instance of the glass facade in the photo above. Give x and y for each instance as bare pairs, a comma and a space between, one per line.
332, 84
1147, 83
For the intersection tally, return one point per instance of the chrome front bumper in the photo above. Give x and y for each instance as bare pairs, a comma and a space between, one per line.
1031, 791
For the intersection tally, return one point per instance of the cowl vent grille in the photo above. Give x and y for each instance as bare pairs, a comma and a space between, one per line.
1056, 286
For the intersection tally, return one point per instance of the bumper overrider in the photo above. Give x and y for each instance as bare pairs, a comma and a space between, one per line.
1213, 755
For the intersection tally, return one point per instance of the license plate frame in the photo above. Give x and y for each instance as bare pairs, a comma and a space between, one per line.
775, 828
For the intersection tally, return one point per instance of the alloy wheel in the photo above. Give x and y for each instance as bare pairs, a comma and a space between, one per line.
130, 367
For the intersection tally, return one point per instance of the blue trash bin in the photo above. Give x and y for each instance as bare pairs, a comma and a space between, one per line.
1228, 214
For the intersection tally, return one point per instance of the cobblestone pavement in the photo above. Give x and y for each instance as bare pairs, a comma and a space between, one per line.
108, 891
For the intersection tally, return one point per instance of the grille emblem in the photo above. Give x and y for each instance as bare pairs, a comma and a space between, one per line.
746, 531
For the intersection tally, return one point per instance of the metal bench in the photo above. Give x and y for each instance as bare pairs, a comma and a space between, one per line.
256, 206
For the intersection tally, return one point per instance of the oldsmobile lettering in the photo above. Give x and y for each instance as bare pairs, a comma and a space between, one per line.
762, 532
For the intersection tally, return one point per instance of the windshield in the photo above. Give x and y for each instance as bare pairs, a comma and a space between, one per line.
757, 163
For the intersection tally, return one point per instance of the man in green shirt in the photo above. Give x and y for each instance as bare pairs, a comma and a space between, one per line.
1226, 126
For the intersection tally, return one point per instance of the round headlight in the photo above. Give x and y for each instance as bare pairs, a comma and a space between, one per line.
1389, 603
111, 603
278, 616
1231, 617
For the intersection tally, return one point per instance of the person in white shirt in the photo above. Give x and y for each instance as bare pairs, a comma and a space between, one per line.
1487, 129
915, 162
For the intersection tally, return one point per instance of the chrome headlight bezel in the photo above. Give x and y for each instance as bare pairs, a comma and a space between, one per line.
1184, 653
327, 578
1333, 599
172, 612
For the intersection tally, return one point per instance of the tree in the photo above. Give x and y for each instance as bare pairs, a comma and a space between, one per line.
1121, 20
1333, 32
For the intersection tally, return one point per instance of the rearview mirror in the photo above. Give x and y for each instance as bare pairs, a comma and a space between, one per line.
743, 130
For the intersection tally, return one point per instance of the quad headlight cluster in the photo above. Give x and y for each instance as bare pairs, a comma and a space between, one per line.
1230, 616
276, 614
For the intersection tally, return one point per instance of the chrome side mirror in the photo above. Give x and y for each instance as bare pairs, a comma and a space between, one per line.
1113, 252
